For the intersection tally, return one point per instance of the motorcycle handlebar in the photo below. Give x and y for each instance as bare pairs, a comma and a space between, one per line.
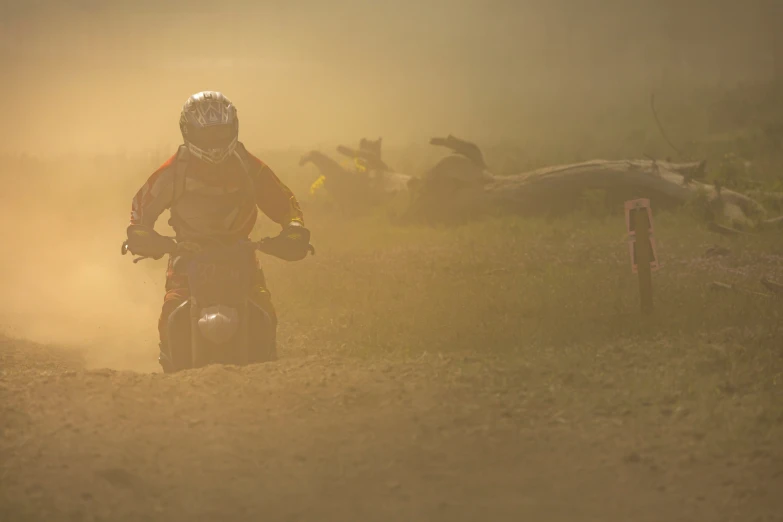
189, 246
260, 246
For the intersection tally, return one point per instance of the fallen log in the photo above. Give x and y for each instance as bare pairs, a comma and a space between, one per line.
337, 178
664, 183
724, 230
352, 189
372, 160
463, 148
769, 224
459, 185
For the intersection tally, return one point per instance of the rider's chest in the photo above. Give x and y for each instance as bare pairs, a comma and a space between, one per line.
213, 205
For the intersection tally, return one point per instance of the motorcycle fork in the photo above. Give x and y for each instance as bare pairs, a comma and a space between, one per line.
196, 343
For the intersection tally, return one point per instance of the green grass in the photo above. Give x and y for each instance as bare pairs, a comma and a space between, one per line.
502, 286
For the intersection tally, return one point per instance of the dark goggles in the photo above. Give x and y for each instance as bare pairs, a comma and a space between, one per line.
212, 137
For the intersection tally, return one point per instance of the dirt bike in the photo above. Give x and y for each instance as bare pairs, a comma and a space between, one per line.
219, 323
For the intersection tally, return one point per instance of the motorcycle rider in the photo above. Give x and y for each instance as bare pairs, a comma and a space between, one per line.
213, 188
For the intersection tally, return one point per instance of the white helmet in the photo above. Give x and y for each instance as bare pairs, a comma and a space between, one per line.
210, 126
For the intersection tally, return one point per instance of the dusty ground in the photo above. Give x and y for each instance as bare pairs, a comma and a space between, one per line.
432, 438
498, 371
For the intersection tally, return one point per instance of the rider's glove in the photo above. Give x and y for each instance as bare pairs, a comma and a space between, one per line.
144, 241
292, 244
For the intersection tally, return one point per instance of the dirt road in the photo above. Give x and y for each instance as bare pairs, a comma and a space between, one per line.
317, 438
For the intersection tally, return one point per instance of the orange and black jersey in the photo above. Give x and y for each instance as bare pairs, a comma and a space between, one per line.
209, 200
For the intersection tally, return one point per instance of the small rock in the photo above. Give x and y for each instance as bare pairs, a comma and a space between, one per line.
119, 477
632, 457
717, 251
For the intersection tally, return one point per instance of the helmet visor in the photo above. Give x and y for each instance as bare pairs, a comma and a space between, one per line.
213, 136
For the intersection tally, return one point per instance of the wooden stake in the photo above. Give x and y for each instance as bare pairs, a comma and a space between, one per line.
644, 256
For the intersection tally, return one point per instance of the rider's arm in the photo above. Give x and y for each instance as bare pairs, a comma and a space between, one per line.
154, 196
272, 197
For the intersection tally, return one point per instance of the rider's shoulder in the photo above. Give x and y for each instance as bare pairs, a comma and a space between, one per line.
169, 164
250, 158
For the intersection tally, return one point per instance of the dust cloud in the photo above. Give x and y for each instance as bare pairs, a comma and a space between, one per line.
92, 76
86, 80
64, 281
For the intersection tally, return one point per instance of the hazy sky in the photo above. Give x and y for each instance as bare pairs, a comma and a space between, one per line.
111, 75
